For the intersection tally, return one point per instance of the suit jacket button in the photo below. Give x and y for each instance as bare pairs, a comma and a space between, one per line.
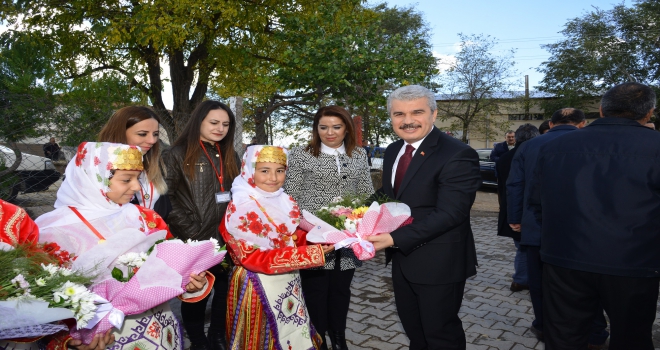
343, 177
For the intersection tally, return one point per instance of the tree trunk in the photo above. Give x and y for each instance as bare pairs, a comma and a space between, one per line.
260, 118
464, 138
236, 105
17, 160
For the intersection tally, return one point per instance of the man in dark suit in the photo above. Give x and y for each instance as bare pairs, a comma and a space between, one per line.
521, 217
603, 182
500, 148
437, 176
502, 166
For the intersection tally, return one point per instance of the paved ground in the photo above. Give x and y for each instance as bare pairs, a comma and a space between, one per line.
493, 316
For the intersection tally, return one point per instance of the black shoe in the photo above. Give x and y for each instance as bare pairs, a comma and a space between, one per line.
338, 340
324, 345
538, 333
217, 340
200, 345
517, 287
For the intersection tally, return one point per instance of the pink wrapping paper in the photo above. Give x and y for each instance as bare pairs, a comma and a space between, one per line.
377, 219
162, 277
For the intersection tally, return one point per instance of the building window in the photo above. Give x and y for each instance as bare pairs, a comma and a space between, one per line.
525, 116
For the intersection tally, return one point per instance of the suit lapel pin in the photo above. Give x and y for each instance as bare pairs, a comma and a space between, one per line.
422, 153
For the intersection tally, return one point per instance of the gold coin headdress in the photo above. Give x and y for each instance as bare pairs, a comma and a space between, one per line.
272, 154
127, 158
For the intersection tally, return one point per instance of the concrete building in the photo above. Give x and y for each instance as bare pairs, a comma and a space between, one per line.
512, 111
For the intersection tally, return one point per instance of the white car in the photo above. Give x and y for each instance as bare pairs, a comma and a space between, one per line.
34, 174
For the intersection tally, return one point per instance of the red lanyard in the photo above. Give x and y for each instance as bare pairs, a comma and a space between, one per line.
218, 175
149, 196
87, 223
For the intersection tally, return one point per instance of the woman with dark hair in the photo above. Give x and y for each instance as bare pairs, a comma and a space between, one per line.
331, 165
201, 167
138, 126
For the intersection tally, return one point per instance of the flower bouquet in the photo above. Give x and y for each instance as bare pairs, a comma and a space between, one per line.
142, 280
37, 287
347, 222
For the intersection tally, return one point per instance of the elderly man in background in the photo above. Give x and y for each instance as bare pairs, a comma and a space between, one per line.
520, 279
438, 177
503, 147
596, 194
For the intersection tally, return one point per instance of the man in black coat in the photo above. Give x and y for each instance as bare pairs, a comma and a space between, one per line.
521, 217
501, 148
437, 176
604, 184
502, 166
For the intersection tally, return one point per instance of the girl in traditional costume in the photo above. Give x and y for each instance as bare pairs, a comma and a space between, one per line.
266, 307
94, 220
139, 126
330, 166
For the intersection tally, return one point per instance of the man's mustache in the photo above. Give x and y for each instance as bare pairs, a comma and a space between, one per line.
409, 126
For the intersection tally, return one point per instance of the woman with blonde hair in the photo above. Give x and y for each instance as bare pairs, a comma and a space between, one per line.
139, 126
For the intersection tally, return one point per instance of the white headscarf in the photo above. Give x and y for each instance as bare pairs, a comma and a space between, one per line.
245, 218
87, 180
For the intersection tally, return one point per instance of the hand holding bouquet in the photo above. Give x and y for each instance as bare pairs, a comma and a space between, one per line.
348, 221
142, 280
37, 287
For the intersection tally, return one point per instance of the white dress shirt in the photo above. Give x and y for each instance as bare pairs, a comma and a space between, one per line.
403, 150
334, 152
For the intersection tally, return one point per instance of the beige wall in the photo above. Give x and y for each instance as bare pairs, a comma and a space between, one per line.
486, 141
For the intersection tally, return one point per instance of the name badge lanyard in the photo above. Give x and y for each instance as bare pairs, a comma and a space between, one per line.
218, 175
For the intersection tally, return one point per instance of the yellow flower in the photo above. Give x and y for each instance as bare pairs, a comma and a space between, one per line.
359, 212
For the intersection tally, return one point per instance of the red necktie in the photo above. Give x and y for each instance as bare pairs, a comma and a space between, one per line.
401, 168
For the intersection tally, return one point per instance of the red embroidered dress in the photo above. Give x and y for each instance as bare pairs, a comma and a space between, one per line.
15, 225
266, 308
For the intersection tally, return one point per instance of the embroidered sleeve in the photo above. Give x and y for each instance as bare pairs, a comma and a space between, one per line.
59, 341
154, 221
272, 261
16, 225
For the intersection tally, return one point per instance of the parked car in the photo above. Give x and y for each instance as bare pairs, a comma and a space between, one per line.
486, 168
34, 174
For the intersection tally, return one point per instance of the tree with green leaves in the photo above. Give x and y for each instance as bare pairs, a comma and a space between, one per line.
344, 55
601, 49
198, 40
477, 85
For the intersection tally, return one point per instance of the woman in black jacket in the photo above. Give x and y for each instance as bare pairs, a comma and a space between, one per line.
201, 167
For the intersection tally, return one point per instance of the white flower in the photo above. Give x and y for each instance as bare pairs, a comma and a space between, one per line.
350, 225
191, 241
216, 245
132, 259
50, 268
40, 282
20, 282
67, 291
336, 199
64, 271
